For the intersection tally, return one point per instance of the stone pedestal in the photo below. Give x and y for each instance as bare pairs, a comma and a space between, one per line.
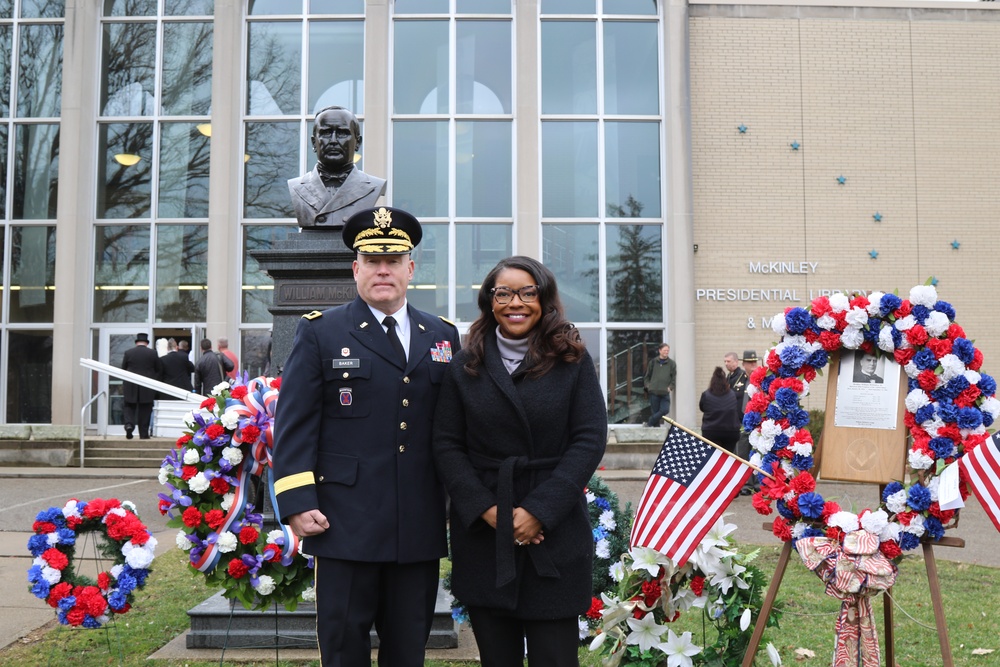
312, 270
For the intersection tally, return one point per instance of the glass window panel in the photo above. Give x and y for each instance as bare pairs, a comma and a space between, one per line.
3, 291
181, 273
3, 175
571, 253
568, 6
39, 77
5, 57
265, 7
189, 8
184, 165
592, 339
429, 288
483, 65
268, 164
642, 7
6, 9
569, 170
483, 6
569, 67
255, 352
125, 153
127, 79
187, 69
629, 353
29, 377
338, 80
633, 170
420, 167
631, 74
258, 287
121, 273
483, 169
420, 67
43, 9
420, 6
275, 61
478, 248
36, 171
337, 6
33, 274
635, 273
130, 7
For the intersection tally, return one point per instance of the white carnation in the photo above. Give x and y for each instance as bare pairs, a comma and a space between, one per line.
951, 366
230, 420
857, 317
607, 520
227, 542
191, 456
932, 426
183, 543
936, 324
272, 536
52, 539
875, 303
309, 594
933, 486
885, 342
164, 474
896, 503
116, 570
875, 522
992, 406
769, 429
590, 496
798, 529
890, 532
219, 388
778, 324
801, 448
972, 376
51, 575
905, 323
265, 584
71, 509
199, 483
916, 399
923, 295
227, 501
826, 322
846, 521
852, 338
916, 525
918, 461
617, 571
138, 558
602, 549
756, 459
911, 369
232, 454
839, 302
582, 629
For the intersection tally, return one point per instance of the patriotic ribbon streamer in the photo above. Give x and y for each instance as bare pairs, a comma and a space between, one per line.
256, 409
854, 573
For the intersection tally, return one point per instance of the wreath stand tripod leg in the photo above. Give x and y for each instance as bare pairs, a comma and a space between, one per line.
765, 610
890, 639
935, 587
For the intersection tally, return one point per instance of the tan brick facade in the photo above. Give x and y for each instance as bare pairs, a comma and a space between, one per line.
900, 102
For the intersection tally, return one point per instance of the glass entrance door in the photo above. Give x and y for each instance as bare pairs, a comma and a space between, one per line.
108, 415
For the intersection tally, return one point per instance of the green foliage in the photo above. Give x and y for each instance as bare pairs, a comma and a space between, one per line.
606, 500
815, 425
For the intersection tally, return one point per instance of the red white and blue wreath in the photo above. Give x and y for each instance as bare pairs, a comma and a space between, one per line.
127, 544
209, 480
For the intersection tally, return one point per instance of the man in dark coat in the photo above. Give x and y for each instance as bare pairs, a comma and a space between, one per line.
352, 458
138, 399
211, 369
177, 367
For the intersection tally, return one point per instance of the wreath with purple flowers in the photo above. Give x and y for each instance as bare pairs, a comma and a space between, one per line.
950, 404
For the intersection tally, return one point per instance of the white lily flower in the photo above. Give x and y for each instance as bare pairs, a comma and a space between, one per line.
644, 558
728, 575
772, 653
679, 649
598, 641
645, 632
745, 619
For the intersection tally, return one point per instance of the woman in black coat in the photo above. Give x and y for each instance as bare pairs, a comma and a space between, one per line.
719, 423
520, 427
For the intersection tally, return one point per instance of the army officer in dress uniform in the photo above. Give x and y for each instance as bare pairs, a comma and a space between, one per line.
352, 460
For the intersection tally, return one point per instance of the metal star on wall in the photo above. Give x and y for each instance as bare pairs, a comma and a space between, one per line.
742, 128
873, 254
934, 281
955, 244
795, 145
877, 216
842, 179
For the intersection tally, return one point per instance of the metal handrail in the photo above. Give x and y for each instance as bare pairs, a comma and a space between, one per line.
83, 424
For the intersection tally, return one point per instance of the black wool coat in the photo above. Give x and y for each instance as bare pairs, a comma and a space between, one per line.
548, 435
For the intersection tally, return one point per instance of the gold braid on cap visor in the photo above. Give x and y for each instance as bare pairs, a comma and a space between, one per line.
369, 238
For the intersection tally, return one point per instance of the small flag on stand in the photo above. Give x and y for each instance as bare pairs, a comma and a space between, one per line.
982, 468
691, 485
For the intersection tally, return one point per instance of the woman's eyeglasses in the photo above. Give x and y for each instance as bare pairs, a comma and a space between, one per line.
504, 295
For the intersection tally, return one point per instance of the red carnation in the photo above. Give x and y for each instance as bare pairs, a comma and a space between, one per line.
773, 361
103, 581
761, 504
955, 331
250, 433
192, 517
927, 380
829, 509
916, 334
141, 537
276, 383
215, 430
236, 569
187, 472
72, 522
214, 518
977, 360
782, 530
939, 346
830, 340
803, 483
905, 518
909, 421
860, 301
809, 373
834, 533
58, 592
968, 396
890, 550
248, 535
219, 486
651, 592
183, 440
43, 527
758, 375
698, 585
91, 601
55, 558
904, 309
811, 336
208, 403
164, 506
75, 616
944, 515
902, 356
758, 403
596, 607
238, 392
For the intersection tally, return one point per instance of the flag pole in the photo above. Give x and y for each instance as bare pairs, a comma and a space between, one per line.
721, 449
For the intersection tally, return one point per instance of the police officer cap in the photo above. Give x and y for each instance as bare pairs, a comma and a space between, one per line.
750, 355
382, 231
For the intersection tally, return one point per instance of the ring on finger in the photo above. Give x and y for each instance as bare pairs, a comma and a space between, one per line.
519, 543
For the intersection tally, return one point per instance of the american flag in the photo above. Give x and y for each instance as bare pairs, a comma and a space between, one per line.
690, 486
982, 468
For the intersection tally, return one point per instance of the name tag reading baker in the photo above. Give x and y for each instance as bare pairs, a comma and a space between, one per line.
347, 363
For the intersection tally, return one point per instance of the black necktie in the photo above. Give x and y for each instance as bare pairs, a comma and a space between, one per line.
390, 325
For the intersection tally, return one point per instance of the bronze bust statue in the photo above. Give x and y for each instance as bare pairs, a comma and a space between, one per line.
335, 189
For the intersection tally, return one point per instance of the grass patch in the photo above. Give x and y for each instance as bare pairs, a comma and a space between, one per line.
970, 601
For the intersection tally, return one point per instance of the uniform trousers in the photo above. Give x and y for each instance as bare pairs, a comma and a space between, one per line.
501, 639
138, 414
398, 599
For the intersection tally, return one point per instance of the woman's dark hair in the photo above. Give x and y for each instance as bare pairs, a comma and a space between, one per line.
551, 339
718, 384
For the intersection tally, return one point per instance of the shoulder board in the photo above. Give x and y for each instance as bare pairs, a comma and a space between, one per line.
313, 315
446, 321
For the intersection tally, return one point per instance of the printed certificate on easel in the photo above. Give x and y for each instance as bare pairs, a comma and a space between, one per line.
867, 391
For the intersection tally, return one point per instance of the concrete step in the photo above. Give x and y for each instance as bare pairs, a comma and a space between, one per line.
118, 452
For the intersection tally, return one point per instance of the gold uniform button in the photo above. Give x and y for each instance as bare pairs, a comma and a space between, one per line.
402, 426
321, 478
406, 402
402, 449
346, 375
406, 379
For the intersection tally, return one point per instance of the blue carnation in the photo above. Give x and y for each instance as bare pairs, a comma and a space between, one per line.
126, 582
67, 603
780, 441
987, 385
784, 510
117, 599
819, 359
768, 461
61, 615
946, 308
933, 527
787, 372
34, 573
970, 418
871, 331
774, 412
811, 505
798, 418
90, 622
51, 515
925, 360
786, 399
66, 536
802, 462
923, 414
793, 357
919, 497
964, 350
912, 384
41, 590
599, 534
943, 447
987, 419
602, 503
890, 489
908, 541
920, 313
751, 420
140, 575
813, 531
37, 544
797, 320
897, 337
889, 303
947, 411
765, 384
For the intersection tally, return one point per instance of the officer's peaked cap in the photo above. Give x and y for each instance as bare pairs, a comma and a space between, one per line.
382, 231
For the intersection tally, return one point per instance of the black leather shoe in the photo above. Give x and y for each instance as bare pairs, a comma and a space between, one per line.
128, 434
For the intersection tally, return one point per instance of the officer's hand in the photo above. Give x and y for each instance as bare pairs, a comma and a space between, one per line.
308, 523
490, 517
526, 527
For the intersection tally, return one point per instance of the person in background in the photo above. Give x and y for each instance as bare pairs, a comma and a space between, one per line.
223, 345
520, 427
177, 368
211, 369
718, 405
144, 361
743, 444
658, 383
